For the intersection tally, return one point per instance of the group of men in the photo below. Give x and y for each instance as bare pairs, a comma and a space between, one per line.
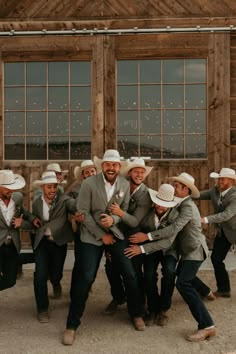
110, 210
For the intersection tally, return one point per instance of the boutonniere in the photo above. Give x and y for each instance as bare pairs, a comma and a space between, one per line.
119, 194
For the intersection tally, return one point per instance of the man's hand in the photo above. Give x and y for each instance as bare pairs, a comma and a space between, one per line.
108, 239
139, 237
37, 223
106, 220
17, 221
132, 251
116, 210
202, 220
78, 217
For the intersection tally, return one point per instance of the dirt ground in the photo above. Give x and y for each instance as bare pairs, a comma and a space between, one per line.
20, 332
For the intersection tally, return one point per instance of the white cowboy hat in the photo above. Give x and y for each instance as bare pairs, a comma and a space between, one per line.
164, 196
10, 180
56, 168
110, 155
188, 181
79, 169
224, 173
48, 177
136, 163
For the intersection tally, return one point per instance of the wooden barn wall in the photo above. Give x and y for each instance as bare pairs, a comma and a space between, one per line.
103, 51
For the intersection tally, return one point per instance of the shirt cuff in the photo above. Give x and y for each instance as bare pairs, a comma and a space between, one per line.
150, 236
206, 220
142, 249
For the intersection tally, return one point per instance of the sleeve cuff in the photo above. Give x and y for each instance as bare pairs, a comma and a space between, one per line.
206, 220
150, 236
142, 249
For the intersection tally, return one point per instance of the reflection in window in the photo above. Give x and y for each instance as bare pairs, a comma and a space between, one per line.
47, 110
162, 108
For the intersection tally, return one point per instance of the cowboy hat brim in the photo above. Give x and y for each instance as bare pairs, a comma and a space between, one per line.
194, 191
17, 184
98, 162
217, 175
130, 166
79, 170
161, 202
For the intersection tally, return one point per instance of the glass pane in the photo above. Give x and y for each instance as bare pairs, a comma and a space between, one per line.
150, 96
127, 71
195, 121
36, 98
14, 148
150, 146
14, 74
36, 73
58, 73
195, 70
173, 96
173, 70
127, 122
80, 148
173, 121
150, 122
80, 98
80, 73
58, 123
173, 147
14, 123
14, 99
195, 146
36, 123
80, 123
58, 148
195, 96
128, 146
58, 98
36, 148
127, 97
150, 71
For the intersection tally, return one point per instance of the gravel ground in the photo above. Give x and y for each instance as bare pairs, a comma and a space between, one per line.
20, 332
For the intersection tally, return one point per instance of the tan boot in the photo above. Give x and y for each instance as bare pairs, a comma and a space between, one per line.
162, 319
138, 323
202, 334
68, 337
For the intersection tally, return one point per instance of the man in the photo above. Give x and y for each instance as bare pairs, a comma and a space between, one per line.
139, 205
192, 249
85, 170
50, 244
28, 257
12, 214
223, 198
100, 231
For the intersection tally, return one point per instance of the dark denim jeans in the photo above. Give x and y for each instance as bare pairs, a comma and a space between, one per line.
115, 280
186, 273
49, 261
8, 266
84, 273
168, 270
220, 249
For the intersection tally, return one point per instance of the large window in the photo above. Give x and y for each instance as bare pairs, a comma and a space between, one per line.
47, 110
162, 108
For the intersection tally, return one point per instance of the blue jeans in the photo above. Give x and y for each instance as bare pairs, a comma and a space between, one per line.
220, 249
49, 261
168, 270
8, 266
186, 273
84, 273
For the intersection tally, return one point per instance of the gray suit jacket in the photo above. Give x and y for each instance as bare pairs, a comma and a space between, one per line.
148, 225
60, 227
191, 242
225, 215
92, 202
6, 230
140, 204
